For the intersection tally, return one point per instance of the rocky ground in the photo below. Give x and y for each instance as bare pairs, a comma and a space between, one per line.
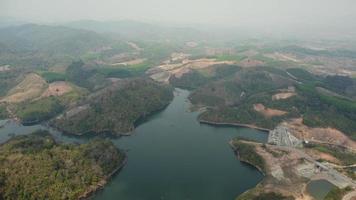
289, 167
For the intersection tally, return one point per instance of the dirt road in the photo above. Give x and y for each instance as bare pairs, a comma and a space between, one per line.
350, 196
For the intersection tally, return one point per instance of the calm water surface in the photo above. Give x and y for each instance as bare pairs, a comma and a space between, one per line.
319, 188
172, 156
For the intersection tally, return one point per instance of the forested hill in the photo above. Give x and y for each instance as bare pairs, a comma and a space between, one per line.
35, 166
116, 109
31, 44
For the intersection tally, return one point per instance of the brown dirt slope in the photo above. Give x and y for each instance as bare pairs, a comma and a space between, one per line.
267, 112
31, 87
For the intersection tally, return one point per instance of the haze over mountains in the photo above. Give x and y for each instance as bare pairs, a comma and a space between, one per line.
317, 18
187, 82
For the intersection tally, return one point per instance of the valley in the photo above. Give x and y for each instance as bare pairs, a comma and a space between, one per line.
166, 107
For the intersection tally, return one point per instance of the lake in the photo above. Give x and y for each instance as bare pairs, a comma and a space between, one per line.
173, 156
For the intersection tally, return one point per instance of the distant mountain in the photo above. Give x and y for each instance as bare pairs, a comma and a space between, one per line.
31, 44
54, 39
9, 21
139, 30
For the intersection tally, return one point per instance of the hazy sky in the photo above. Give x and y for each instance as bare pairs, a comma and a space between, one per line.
226, 12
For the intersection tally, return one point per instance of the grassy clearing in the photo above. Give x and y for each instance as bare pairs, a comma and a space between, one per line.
38, 111
51, 77
125, 71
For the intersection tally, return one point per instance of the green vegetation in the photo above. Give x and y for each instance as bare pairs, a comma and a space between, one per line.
40, 47
73, 97
140, 69
244, 114
117, 108
258, 194
343, 85
189, 81
37, 167
259, 80
125, 71
244, 84
8, 80
324, 111
302, 75
38, 111
230, 99
51, 77
346, 157
156, 52
76, 74
337, 193
112, 72
270, 62
3, 112
198, 78
247, 153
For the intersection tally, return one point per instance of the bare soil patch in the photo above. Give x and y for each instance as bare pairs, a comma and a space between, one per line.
162, 73
289, 170
58, 88
267, 112
134, 46
283, 171
283, 56
130, 62
320, 155
327, 135
283, 95
31, 87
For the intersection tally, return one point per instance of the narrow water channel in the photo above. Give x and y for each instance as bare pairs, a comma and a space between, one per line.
172, 156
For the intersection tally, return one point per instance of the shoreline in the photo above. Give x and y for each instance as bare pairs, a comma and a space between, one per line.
100, 186
267, 175
234, 124
237, 154
140, 120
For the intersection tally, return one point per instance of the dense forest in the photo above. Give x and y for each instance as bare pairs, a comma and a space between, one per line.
70, 170
117, 108
320, 101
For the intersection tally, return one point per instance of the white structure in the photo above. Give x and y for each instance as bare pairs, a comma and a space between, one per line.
281, 136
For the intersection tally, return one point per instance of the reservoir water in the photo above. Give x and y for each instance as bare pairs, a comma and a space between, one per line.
172, 156
319, 188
